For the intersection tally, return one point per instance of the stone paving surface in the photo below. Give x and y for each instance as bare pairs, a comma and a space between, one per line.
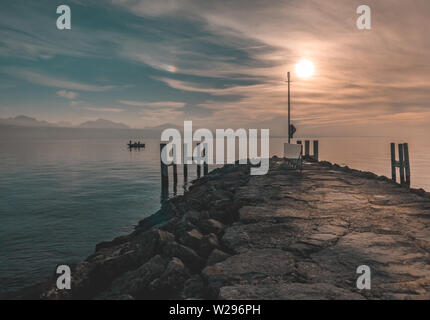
308, 233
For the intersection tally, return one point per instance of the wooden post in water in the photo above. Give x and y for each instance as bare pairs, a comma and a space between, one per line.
393, 162
300, 142
316, 156
401, 165
175, 169
175, 174
307, 143
164, 171
198, 162
205, 164
185, 165
407, 166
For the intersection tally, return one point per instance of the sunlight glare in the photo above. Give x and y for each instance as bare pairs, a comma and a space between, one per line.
305, 68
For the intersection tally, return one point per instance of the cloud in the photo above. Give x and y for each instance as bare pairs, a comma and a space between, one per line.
229, 58
101, 109
55, 82
67, 94
188, 86
158, 104
27, 31
373, 76
153, 54
7, 86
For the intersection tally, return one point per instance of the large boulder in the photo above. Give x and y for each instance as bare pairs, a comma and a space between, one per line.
183, 226
226, 211
191, 239
217, 256
194, 216
115, 242
194, 288
167, 211
191, 259
152, 242
169, 225
100, 269
171, 282
211, 226
208, 244
135, 283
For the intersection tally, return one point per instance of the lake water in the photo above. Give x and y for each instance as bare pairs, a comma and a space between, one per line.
59, 198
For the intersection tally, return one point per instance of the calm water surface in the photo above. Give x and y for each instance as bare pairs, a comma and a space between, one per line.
59, 198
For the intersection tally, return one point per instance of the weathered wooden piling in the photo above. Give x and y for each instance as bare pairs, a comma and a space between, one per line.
205, 164
307, 148
407, 166
316, 156
300, 142
185, 170
403, 164
198, 162
175, 182
185, 173
393, 162
202, 153
175, 173
164, 170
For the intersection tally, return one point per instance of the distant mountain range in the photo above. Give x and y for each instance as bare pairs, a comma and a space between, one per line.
103, 124
25, 121
28, 128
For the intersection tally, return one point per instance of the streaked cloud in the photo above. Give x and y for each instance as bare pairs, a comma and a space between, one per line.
55, 82
67, 94
158, 104
101, 109
386, 68
226, 61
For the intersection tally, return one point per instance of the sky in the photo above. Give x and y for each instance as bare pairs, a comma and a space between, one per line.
220, 64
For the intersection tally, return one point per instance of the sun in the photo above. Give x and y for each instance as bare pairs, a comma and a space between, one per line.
305, 68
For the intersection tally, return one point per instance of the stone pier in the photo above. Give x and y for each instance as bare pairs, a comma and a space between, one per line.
284, 235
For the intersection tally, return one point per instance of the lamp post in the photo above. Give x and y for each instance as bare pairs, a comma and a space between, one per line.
289, 107
304, 70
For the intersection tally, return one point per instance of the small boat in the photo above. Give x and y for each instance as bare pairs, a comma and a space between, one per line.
135, 145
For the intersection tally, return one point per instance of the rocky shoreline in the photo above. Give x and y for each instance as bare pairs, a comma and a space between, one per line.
164, 256
209, 243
